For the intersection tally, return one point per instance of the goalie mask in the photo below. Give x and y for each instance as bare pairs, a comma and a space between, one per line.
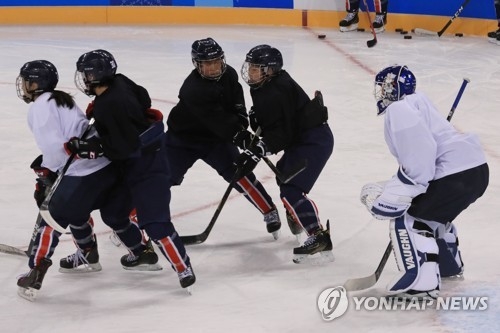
261, 64
94, 68
35, 78
393, 84
208, 58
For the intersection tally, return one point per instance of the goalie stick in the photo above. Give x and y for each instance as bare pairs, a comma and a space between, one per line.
425, 32
370, 280
371, 42
44, 207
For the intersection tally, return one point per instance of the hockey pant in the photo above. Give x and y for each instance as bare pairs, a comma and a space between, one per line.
416, 253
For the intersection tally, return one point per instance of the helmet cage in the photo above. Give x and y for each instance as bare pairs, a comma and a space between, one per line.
208, 58
393, 84
41, 72
93, 69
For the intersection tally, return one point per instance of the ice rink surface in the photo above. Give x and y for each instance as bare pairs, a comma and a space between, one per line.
247, 282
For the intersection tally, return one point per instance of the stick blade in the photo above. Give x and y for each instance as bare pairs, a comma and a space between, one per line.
424, 32
13, 250
194, 239
360, 283
371, 42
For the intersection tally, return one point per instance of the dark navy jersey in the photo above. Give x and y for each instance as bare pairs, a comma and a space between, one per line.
277, 106
209, 110
119, 114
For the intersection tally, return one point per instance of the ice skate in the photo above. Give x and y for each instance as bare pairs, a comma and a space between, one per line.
350, 22
147, 260
319, 242
187, 279
380, 22
31, 282
493, 36
273, 223
85, 261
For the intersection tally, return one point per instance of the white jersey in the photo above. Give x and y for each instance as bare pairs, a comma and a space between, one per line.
425, 144
52, 126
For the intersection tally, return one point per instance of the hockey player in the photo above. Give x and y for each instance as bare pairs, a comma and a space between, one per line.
54, 118
209, 121
292, 123
350, 22
441, 172
131, 135
494, 36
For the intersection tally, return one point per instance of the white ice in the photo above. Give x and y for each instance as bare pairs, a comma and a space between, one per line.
246, 281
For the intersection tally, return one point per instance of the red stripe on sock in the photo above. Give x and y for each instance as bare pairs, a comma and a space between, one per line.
254, 194
172, 254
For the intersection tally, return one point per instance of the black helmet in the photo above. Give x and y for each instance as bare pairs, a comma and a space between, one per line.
208, 50
267, 58
94, 68
41, 72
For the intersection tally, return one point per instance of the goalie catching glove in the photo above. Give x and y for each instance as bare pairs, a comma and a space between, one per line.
84, 148
391, 199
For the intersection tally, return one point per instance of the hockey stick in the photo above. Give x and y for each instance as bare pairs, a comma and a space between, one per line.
200, 238
457, 99
13, 250
44, 207
370, 280
425, 32
371, 42
286, 178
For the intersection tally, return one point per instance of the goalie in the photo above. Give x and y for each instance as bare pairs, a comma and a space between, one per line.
441, 172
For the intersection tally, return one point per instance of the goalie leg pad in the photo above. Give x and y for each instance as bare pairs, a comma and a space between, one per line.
416, 256
450, 259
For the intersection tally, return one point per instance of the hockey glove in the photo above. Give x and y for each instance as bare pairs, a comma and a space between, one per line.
249, 158
89, 148
154, 115
243, 139
44, 181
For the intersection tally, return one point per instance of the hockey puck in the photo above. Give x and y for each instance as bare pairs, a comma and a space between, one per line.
321, 36
459, 34
407, 37
399, 30
360, 29
403, 32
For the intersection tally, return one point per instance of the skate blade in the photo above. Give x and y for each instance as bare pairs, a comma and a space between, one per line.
315, 259
352, 27
189, 290
379, 30
144, 268
27, 293
458, 277
115, 240
276, 234
90, 268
